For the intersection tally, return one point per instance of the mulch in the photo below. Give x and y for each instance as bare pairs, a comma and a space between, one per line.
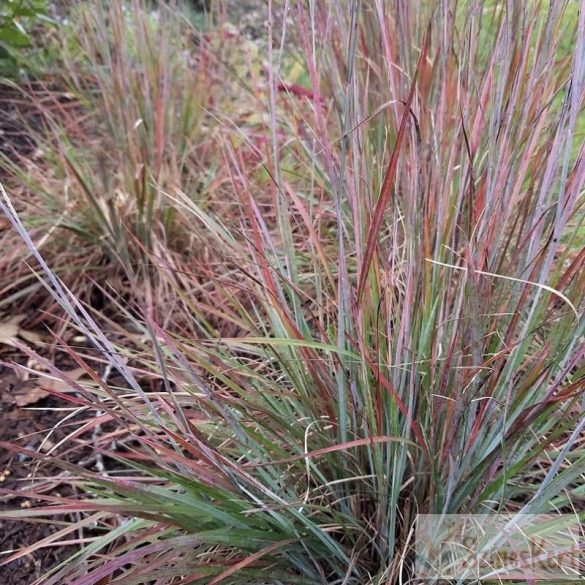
27, 426
35, 420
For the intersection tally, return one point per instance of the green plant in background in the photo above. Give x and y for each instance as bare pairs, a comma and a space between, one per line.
17, 18
392, 325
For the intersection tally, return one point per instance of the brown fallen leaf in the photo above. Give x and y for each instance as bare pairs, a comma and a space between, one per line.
57, 385
33, 391
31, 336
28, 395
10, 330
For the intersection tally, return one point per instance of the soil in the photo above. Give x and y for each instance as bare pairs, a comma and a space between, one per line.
26, 426
32, 419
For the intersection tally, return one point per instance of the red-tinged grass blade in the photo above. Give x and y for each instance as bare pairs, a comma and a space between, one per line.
249, 561
369, 441
201, 472
179, 544
388, 183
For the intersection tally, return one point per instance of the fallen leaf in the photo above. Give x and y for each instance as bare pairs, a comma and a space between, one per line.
58, 385
29, 395
33, 391
10, 330
31, 336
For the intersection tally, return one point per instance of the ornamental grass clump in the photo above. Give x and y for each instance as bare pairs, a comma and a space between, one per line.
392, 323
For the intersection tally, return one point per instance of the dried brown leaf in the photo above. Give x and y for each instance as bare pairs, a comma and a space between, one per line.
56, 385
32, 392
28, 395
10, 330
